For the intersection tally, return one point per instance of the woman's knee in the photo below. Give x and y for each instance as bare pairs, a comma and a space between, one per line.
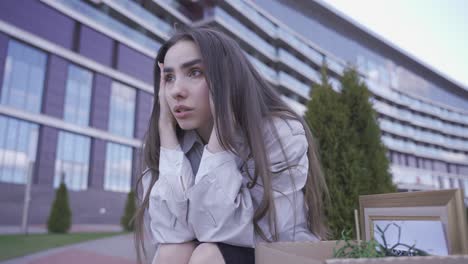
175, 253
207, 253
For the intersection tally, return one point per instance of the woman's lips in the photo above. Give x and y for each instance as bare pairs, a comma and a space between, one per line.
183, 114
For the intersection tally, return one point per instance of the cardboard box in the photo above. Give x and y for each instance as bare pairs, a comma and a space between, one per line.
322, 252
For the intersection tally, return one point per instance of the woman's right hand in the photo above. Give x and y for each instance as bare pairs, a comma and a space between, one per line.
166, 118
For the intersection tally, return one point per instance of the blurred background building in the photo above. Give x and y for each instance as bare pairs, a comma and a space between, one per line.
76, 92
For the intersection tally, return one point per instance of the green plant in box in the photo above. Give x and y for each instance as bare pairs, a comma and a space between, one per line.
372, 249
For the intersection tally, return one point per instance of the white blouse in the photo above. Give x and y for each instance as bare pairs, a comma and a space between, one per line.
204, 196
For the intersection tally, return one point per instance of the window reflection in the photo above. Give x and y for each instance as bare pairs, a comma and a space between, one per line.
122, 110
23, 77
78, 96
72, 162
18, 143
118, 169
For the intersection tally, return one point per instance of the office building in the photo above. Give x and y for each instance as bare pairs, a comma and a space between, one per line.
76, 92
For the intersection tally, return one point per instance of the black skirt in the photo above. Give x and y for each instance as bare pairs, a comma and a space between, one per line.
237, 255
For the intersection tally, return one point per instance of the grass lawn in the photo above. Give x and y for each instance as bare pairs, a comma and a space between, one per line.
12, 246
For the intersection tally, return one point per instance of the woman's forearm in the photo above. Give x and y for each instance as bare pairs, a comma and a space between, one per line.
168, 137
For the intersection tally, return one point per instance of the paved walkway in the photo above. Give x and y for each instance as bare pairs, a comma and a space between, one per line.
116, 250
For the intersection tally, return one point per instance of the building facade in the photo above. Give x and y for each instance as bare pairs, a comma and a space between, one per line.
76, 92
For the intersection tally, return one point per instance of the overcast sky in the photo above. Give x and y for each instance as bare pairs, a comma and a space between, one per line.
434, 31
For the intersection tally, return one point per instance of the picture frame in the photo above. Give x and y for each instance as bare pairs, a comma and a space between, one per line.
439, 213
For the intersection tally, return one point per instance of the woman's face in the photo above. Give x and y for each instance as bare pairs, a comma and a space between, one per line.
186, 88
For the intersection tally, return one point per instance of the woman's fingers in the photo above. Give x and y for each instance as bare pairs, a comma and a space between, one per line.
165, 113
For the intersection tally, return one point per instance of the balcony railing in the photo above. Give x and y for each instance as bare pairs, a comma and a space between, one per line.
427, 179
268, 26
142, 16
335, 66
424, 136
245, 33
306, 50
263, 68
299, 65
416, 104
421, 150
295, 105
110, 23
424, 121
294, 85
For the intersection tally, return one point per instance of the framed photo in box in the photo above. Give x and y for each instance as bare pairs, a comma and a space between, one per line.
433, 221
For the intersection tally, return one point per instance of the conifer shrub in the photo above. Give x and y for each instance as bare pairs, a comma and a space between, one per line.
59, 220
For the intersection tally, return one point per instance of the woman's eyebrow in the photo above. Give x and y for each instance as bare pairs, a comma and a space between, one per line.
184, 65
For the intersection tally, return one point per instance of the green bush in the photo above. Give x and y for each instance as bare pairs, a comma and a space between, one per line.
375, 177
352, 155
328, 119
60, 214
130, 207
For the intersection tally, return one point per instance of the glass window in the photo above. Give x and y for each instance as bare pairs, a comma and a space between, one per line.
446, 183
118, 172
122, 110
23, 77
18, 143
72, 163
465, 187
78, 95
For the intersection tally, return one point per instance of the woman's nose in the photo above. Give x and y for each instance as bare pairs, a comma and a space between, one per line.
179, 89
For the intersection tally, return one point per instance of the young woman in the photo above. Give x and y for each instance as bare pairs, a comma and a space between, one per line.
228, 163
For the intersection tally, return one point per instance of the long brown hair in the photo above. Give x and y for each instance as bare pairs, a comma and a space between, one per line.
242, 99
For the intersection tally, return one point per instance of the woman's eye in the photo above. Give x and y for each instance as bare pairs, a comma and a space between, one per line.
195, 73
168, 78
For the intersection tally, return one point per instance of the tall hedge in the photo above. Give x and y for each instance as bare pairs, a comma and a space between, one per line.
353, 159
355, 95
60, 214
